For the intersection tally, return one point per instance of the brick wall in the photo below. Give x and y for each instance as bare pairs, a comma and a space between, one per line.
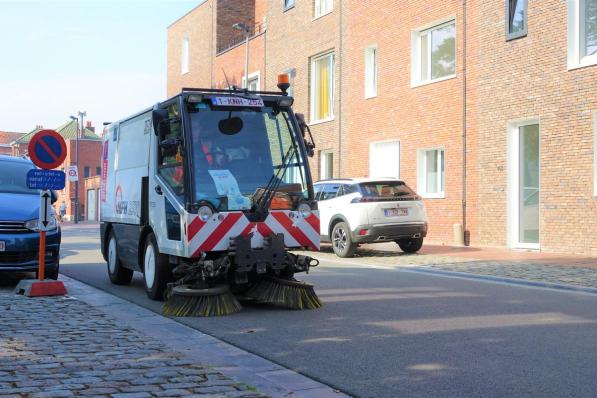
528, 78
233, 63
230, 12
428, 116
198, 27
293, 38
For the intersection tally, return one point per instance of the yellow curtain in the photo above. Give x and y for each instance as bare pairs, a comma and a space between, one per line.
324, 89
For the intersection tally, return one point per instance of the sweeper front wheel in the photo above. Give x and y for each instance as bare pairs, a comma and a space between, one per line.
185, 300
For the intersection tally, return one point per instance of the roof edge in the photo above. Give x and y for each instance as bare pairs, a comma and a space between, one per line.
190, 11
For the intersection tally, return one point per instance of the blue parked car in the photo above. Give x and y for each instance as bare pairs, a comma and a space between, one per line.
19, 211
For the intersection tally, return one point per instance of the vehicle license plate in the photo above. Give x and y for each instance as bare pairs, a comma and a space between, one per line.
398, 212
237, 101
2, 246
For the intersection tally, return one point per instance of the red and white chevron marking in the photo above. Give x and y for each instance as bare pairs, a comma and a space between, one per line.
215, 233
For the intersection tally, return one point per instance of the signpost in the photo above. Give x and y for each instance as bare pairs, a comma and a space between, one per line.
47, 150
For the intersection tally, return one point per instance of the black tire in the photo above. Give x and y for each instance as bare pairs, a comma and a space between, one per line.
49, 273
411, 245
156, 269
342, 240
53, 273
118, 274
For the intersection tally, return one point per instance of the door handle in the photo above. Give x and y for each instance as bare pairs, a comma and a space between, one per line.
158, 190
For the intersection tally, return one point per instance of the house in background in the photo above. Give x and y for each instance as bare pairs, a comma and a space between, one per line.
6, 139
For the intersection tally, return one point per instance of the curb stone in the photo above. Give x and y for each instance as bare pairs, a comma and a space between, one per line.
235, 363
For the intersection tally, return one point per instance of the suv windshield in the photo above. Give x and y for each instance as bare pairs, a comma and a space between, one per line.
386, 189
13, 178
230, 169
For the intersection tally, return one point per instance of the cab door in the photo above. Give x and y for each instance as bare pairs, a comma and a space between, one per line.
166, 188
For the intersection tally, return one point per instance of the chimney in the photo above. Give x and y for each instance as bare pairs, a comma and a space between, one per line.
88, 126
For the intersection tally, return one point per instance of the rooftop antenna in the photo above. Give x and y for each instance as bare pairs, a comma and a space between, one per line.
227, 82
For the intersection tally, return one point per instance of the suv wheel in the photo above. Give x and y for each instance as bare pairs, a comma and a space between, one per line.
118, 274
156, 270
341, 241
412, 245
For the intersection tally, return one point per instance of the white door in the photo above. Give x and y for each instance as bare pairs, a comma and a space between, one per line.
384, 159
91, 205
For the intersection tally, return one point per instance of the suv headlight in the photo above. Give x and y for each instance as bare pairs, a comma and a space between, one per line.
205, 212
33, 225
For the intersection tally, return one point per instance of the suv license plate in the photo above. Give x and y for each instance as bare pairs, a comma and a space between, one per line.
2, 246
399, 212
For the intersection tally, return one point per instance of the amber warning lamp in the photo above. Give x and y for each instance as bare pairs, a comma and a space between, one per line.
284, 83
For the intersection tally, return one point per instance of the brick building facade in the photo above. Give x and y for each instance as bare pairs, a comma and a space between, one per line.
488, 109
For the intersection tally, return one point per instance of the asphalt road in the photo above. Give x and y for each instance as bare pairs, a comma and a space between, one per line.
391, 333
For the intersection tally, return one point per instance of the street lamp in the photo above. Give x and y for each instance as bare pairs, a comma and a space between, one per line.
81, 115
244, 28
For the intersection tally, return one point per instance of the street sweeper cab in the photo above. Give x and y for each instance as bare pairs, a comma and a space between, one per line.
207, 194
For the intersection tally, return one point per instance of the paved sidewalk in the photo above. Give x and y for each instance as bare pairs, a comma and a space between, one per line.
63, 347
551, 269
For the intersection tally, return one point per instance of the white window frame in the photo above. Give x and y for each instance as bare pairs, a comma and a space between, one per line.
371, 156
291, 72
252, 76
595, 154
312, 118
287, 5
416, 36
576, 27
422, 173
513, 204
184, 55
319, 11
323, 161
371, 71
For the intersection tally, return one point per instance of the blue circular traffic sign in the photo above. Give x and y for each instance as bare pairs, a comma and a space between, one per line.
47, 149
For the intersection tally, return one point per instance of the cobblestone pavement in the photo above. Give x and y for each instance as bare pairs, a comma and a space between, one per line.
573, 272
552, 273
62, 347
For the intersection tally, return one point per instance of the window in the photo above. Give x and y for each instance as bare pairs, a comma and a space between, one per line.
370, 72
288, 4
434, 53
384, 159
582, 33
322, 88
326, 165
254, 81
431, 176
98, 170
329, 191
516, 18
323, 7
170, 162
86, 171
184, 57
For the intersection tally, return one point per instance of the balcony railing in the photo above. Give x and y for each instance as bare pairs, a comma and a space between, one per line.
239, 37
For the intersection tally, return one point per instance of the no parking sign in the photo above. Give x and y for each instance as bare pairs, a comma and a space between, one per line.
47, 149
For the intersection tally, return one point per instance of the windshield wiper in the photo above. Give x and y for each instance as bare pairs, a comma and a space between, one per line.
264, 201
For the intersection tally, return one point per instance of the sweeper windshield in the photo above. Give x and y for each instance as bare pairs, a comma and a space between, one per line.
237, 150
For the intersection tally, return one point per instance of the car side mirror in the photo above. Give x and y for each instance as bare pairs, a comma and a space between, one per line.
53, 196
309, 145
160, 120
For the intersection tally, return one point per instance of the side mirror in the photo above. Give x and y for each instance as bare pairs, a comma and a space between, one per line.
169, 147
309, 145
301, 122
53, 196
159, 117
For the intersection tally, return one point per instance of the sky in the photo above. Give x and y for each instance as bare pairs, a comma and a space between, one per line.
104, 57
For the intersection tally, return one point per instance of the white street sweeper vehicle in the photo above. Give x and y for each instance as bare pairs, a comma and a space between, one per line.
206, 194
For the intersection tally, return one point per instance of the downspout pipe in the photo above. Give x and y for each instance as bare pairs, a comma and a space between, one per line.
464, 126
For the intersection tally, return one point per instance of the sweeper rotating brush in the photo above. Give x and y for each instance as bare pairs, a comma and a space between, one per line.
186, 301
291, 294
